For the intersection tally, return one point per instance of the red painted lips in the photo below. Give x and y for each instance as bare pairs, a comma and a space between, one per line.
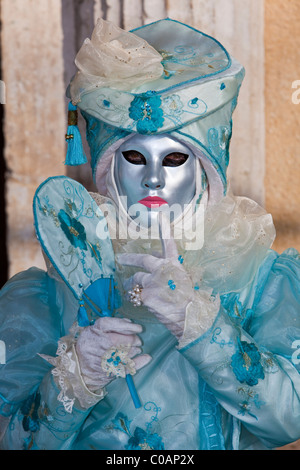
152, 201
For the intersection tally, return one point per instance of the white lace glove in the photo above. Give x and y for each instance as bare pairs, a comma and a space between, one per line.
168, 291
110, 346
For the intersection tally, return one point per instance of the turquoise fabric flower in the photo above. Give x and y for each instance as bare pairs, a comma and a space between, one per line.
73, 230
146, 111
141, 440
246, 364
122, 423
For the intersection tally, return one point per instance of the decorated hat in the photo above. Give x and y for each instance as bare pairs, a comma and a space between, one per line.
162, 78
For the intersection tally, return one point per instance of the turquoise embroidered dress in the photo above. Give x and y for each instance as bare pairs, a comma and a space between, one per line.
235, 387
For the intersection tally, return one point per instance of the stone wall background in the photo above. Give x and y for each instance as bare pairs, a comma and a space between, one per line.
282, 119
34, 115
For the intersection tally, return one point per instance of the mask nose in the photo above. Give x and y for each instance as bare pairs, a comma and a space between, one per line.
153, 178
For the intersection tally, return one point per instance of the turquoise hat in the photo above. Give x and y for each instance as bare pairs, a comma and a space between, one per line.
185, 85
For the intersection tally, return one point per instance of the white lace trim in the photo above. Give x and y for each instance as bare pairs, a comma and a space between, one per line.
117, 362
200, 314
68, 377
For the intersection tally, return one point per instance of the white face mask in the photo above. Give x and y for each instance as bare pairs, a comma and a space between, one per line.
154, 174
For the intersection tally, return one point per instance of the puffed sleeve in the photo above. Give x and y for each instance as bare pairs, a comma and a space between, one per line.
31, 417
248, 356
28, 326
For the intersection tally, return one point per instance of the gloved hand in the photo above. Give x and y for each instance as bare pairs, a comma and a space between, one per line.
167, 288
96, 345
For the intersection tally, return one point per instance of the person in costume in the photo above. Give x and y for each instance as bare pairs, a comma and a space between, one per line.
164, 319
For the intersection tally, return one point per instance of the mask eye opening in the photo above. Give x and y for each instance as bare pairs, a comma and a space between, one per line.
134, 157
175, 159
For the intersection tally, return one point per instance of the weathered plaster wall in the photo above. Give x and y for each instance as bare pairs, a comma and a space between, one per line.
282, 68
34, 114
